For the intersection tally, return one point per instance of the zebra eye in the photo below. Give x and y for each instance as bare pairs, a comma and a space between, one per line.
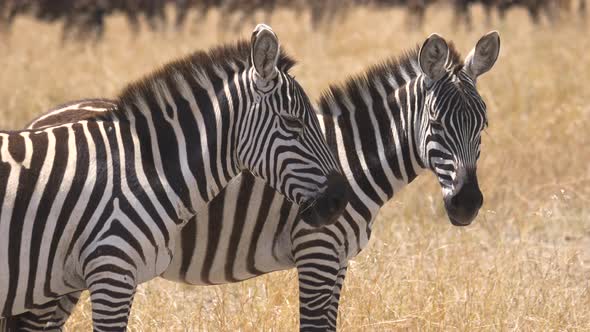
292, 122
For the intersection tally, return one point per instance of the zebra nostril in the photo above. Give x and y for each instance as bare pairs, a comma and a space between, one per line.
455, 201
335, 204
468, 198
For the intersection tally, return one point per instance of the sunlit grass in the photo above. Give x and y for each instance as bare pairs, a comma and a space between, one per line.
525, 263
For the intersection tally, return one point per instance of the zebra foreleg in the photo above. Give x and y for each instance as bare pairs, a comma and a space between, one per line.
112, 285
110, 306
319, 294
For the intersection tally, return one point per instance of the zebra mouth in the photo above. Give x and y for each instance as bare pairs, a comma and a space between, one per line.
315, 216
460, 216
328, 206
461, 223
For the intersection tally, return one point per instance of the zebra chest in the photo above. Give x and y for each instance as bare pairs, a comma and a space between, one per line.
127, 232
227, 244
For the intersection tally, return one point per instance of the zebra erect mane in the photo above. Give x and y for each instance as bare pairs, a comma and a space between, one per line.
402, 69
207, 62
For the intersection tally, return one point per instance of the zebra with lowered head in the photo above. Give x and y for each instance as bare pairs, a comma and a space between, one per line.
417, 112
98, 203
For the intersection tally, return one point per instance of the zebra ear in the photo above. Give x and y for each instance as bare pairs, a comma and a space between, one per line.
265, 51
433, 56
484, 55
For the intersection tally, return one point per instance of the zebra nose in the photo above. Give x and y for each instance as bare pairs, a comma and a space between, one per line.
463, 206
469, 197
331, 203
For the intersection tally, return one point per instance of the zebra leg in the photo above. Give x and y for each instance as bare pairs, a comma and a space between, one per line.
112, 283
320, 284
133, 21
534, 14
111, 304
34, 320
63, 310
182, 7
461, 13
50, 316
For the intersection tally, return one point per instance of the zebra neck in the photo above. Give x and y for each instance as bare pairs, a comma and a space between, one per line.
187, 139
372, 132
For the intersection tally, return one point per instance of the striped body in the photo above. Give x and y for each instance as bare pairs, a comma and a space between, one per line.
66, 196
98, 203
375, 124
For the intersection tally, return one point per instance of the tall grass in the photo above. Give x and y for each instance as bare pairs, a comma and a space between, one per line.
523, 265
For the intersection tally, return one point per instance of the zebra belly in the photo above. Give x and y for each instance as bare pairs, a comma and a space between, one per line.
245, 232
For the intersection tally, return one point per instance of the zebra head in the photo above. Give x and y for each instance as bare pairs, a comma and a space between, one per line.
453, 118
281, 140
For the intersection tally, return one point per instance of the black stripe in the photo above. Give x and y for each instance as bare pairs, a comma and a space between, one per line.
283, 219
78, 180
148, 163
16, 147
267, 198
242, 205
40, 142
138, 190
168, 150
188, 241
206, 108
117, 229
348, 141
97, 192
26, 187
215, 224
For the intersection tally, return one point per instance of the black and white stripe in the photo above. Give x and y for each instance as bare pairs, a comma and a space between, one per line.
420, 111
98, 203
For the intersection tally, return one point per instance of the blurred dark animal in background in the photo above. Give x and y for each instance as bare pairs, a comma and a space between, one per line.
85, 19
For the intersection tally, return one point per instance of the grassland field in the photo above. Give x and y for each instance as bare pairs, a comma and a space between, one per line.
524, 265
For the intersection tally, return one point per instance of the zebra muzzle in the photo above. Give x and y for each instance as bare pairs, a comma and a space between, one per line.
326, 208
463, 205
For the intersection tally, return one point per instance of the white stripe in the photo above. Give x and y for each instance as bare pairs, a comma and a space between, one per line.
6, 214
157, 155
228, 158
254, 206
187, 174
205, 82
412, 126
56, 208
398, 147
75, 217
391, 178
105, 199
156, 258
30, 216
368, 101
185, 90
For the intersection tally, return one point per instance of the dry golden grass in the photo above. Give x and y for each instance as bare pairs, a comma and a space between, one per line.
525, 263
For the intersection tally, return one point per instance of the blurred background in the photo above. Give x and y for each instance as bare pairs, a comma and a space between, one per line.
523, 265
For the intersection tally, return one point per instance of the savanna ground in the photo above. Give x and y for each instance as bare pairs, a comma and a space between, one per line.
523, 265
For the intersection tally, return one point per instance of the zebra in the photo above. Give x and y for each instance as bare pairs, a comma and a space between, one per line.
535, 9
423, 104
99, 203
